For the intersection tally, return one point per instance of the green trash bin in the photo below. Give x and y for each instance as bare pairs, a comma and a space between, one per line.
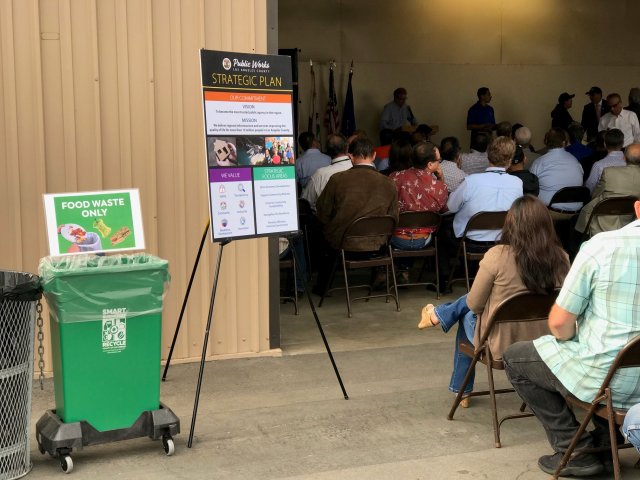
106, 327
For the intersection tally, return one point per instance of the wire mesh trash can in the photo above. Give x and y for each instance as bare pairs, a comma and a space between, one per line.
19, 295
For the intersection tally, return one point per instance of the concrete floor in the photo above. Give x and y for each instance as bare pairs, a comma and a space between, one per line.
285, 418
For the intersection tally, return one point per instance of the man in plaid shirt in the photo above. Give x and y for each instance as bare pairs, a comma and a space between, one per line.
595, 315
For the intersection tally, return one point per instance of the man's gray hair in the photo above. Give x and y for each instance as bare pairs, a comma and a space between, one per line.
523, 136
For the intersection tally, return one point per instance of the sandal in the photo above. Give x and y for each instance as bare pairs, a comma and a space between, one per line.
425, 317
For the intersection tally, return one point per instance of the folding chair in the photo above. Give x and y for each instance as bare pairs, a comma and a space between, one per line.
480, 221
614, 206
355, 239
628, 357
289, 264
525, 307
304, 217
569, 195
429, 220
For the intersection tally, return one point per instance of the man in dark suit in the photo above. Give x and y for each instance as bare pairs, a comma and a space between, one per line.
351, 194
592, 112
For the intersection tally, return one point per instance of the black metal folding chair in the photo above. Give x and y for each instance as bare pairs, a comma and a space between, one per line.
359, 234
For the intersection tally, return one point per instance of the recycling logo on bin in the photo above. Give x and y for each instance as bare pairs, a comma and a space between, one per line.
114, 330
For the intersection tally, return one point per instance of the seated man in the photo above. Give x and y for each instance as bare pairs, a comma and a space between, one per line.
530, 183
311, 160
522, 136
349, 195
476, 161
450, 163
595, 315
337, 150
493, 191
615, 182
575, 147
557, 169
613, 140
382, 152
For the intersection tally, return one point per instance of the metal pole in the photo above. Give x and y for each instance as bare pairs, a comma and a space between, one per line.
315, 315
206, 342
184, 302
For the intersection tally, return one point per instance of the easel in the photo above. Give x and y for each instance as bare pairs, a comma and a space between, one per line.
209, 319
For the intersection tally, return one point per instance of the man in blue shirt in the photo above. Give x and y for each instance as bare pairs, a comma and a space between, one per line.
595, 315
557, 169
480, 117
492, 191
397, 114
311, 160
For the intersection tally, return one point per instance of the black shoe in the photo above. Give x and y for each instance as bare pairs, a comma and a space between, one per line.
583, 465
318, 290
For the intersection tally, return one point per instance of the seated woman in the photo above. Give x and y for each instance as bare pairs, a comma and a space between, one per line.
420, 189
528, 258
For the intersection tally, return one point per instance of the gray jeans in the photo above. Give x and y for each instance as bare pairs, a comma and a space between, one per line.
544, 394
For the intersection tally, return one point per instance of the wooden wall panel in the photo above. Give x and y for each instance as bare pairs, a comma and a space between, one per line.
106, 94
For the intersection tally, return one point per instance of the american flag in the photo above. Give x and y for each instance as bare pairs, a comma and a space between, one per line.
332, 119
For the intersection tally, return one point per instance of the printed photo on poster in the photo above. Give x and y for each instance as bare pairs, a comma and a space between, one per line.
222, 152
279, 151
251, 150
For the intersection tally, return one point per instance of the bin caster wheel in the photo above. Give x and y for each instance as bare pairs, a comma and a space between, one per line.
168, 445
66, 463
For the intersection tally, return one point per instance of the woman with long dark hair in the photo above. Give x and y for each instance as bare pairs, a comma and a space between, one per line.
528, 258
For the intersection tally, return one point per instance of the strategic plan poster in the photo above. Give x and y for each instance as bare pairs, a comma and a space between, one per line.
250, 147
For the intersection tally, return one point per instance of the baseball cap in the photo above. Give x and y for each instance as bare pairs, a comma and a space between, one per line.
564, 96
518, 156
593, 90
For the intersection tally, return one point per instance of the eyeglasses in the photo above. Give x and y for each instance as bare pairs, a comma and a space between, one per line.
614, 105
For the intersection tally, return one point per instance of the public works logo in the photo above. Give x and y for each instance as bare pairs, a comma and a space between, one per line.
226, 64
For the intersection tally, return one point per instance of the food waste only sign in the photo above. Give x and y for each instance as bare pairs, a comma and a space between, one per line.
94, 222
250, 144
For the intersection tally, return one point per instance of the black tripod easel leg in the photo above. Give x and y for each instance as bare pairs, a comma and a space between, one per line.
315, 315
206, 342
184, 302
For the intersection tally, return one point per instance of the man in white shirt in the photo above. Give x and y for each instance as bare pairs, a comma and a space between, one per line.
625, 120
340, 161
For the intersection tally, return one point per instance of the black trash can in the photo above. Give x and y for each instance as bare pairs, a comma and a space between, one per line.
19, 295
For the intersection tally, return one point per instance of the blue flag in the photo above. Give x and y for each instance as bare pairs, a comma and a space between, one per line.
349, 113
